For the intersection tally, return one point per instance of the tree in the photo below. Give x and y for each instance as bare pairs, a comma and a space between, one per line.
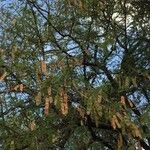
75, 74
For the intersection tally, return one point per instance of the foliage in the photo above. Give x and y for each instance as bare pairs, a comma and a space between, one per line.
74, 74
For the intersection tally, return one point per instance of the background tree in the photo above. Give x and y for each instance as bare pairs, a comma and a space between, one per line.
75, 74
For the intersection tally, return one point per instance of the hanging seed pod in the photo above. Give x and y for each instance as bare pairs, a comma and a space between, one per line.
49, 91
47, 104
21, 87
32, 125
43, 67
38, 99
123, 103
64, 101
17, 87
2, 77
113, 124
